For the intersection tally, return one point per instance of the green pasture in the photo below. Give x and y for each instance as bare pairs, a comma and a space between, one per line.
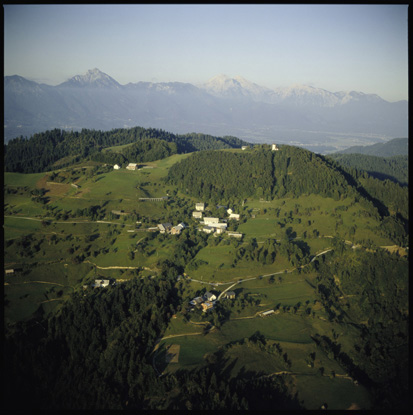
15, 227
46, 285
116, 184
22, 205
308, 213
290, 292
179, 326
338, 393
219, 265
247, 358
192, 351
260, 228
279, 327
22, 179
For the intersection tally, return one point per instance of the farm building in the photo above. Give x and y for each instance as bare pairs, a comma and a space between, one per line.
235, 234
200, 207
9, 271
274, 147
229, 294
176, 230
244, 147
210, 221
208, 229
207, 306
209, 296
234, 216
266, 313
101, 283
196, 301
132, 166
153, 199
214, 223
165, 227
222, 226
116, 167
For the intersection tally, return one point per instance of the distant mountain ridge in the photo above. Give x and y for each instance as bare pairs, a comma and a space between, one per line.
301, 115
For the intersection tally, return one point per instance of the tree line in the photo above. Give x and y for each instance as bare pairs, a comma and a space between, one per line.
42, 150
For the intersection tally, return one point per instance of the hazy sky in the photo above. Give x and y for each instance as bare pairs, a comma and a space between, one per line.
346, 47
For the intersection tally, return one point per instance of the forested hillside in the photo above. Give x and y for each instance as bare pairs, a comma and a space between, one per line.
41, 151
264, 174
259, 173
395, 168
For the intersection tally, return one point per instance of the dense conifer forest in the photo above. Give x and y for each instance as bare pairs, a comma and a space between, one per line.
395, 168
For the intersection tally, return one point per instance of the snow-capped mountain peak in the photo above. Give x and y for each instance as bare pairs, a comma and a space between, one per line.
92, 78
238, 87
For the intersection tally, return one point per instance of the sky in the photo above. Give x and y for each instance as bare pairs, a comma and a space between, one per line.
334, 47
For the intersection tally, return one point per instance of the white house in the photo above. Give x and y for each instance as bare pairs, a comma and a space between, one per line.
234, 216
209, 296
116, 167
197, 215
244, 147
207, 229
210, 221
132, 166
274, 147
200, 207
101, 283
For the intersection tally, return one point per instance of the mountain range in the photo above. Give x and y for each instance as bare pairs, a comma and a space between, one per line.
315, 118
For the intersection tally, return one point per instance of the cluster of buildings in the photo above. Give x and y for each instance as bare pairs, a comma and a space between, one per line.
173, 230
214, 225
208, 300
